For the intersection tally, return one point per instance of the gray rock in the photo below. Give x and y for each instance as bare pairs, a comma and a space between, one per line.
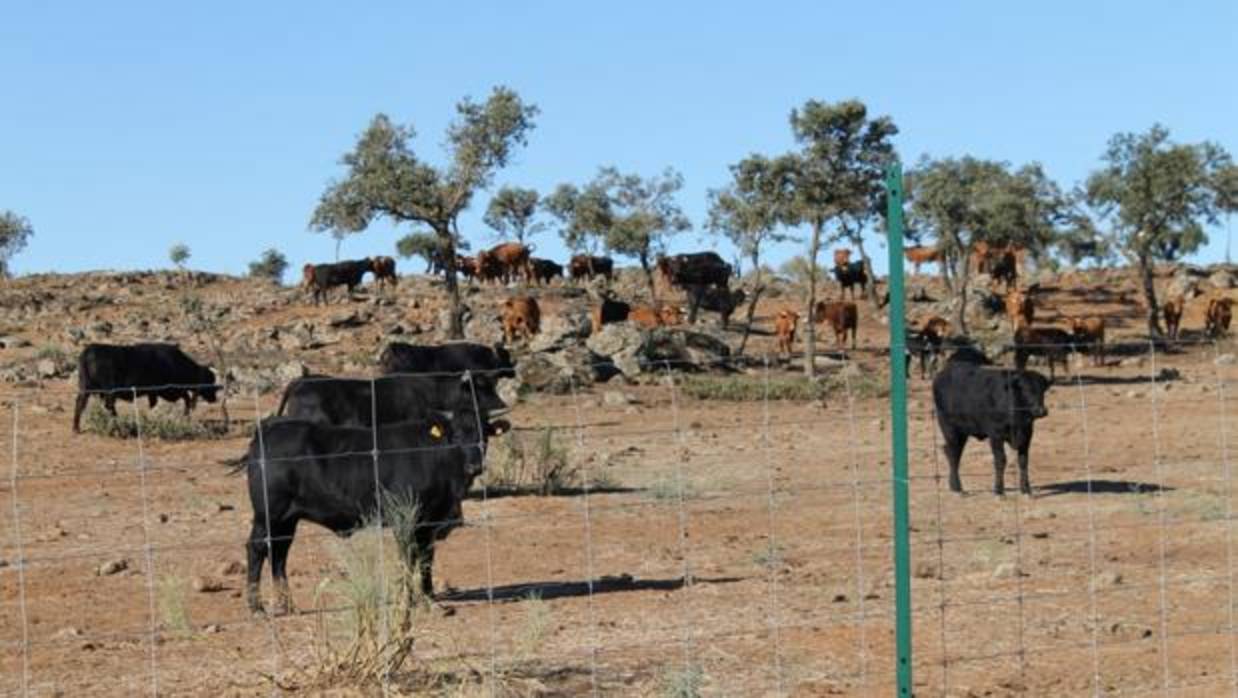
616, 398
13, 342
352, 318
1184, 285
1223, 279
290, 371
509, 390
47, 368
560, 330
112, 567
206, 585
1225, 360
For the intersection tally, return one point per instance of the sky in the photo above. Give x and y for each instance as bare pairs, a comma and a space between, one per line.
127, 127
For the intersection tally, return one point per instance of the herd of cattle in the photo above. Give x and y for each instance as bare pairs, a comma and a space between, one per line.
418, 432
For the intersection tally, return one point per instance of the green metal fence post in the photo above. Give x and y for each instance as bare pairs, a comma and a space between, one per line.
898, 430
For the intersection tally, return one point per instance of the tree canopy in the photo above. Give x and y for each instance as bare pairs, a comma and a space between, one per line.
386, 178
15, 232
179, 254
584, 215
512, 213
271, 266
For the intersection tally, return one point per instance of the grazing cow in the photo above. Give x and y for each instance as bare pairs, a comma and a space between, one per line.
842, 257
327, 276
513, 259
851, 275
1220, 313
450, 358
784, 327
922, 255
583, 266
1053, 343
695, 269
972, 400
1173, 316
521, 317
352, 401
332, 475
843, 318
545, 270
1089, 332
383, 269
1020, 309
153, 370
719, 300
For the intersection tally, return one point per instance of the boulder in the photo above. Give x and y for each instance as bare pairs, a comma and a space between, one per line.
561, 330
1184, 285
1222, 279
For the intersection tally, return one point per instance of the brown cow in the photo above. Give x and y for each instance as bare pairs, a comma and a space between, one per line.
521, 317
842, 316
307, 276
1220, 313
922, 255
645, 316
467, 266
842, 257
936, 327
784, 328
583, 266
1019, 309
1173, 315
513, 259
671, 315
1090, 332
1053, 343
383, 269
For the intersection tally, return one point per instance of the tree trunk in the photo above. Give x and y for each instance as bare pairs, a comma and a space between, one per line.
757, 289
1147, 271
644, 265
870, 290
810, 331
961, 274
455, 329
338, 241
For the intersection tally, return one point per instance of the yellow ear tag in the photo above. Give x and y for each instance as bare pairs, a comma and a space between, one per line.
436, 431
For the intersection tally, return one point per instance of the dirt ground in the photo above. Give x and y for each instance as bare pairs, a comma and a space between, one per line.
1115, 578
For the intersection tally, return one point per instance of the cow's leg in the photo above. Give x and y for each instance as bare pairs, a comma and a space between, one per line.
1025, 485
152, 400
954, 442
189, 403
78, 407
999, 465
256, 550
281, 541
422, 557
109, 403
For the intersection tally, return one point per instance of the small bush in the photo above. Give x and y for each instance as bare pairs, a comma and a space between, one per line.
151, 425
270, 266
170, 593
531, 464
682, 682
750, 389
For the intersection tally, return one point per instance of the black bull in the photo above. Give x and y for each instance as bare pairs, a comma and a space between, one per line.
354, 401
993, 404
154, 371
332, 476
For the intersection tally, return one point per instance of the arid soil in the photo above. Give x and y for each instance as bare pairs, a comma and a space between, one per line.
731, 548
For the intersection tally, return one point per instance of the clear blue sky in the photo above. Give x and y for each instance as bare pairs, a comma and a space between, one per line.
128, 126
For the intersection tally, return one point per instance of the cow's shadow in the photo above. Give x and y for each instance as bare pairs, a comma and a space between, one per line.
493, 492
574, 589
1100, 487
1166, 375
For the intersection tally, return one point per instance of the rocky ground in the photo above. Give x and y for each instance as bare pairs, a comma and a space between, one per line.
1115, 578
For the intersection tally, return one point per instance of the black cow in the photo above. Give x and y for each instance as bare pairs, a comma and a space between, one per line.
544, 270
300, 470
350, 401
695, 269
851, 275
452, 358
583, 266
153, 370
719, 300
982, 402
927, 347
324, 277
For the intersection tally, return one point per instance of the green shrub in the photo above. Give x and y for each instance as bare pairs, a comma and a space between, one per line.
151, 425
170, 593
531, 464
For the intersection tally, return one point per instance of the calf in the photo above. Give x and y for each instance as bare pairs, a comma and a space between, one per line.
544, 270
383, 269
327, 276
1220, 313
155, 371
1089, 332
1053, 343
971, 400
331, 475
927, 345
1173, 316
851, 275
784, 328
521, 317
843, 318
451, 358
583, 266
1019, 309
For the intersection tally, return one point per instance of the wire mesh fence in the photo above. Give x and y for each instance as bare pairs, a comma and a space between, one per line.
691, 546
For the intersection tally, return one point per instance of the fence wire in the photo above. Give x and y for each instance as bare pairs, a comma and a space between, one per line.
706, 546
